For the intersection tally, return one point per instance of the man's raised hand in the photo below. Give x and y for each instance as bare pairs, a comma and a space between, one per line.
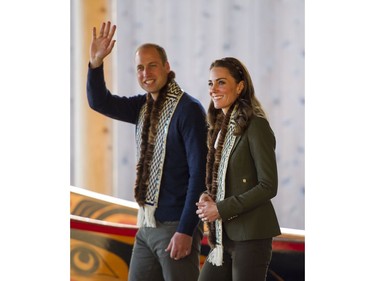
101, 45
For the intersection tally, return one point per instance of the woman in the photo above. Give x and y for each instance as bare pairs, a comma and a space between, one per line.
241, 178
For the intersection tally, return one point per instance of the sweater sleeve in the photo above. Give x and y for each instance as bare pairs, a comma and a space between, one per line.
101, 100
194, 132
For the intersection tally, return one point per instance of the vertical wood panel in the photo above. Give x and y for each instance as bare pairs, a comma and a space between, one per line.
93, 167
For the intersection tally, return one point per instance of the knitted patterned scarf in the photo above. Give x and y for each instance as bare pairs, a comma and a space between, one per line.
151, 137
217, 163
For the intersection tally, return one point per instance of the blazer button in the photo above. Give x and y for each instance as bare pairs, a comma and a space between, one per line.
244, 180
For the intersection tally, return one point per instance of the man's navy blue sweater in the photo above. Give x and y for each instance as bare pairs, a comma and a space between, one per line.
183, 178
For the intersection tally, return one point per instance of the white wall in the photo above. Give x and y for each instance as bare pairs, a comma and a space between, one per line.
267, 35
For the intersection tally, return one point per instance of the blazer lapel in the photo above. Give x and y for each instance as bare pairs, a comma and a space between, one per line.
238, 138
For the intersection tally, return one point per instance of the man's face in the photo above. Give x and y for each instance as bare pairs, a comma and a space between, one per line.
152, 74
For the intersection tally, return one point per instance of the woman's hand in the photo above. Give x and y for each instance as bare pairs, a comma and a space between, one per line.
207, 209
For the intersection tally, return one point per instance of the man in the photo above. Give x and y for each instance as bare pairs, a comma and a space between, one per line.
171, 151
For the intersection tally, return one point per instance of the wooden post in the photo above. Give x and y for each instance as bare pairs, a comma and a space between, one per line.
92, 132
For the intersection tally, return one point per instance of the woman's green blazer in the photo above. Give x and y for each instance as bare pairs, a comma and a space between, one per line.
251, 181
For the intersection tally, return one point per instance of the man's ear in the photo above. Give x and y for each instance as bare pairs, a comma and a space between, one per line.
167, 66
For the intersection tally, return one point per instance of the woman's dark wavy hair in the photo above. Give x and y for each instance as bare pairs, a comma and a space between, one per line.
248, 104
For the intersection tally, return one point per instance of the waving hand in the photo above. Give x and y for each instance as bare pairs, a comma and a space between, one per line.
101, 45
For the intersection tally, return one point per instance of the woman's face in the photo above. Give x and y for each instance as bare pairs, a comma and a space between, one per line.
223, 89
